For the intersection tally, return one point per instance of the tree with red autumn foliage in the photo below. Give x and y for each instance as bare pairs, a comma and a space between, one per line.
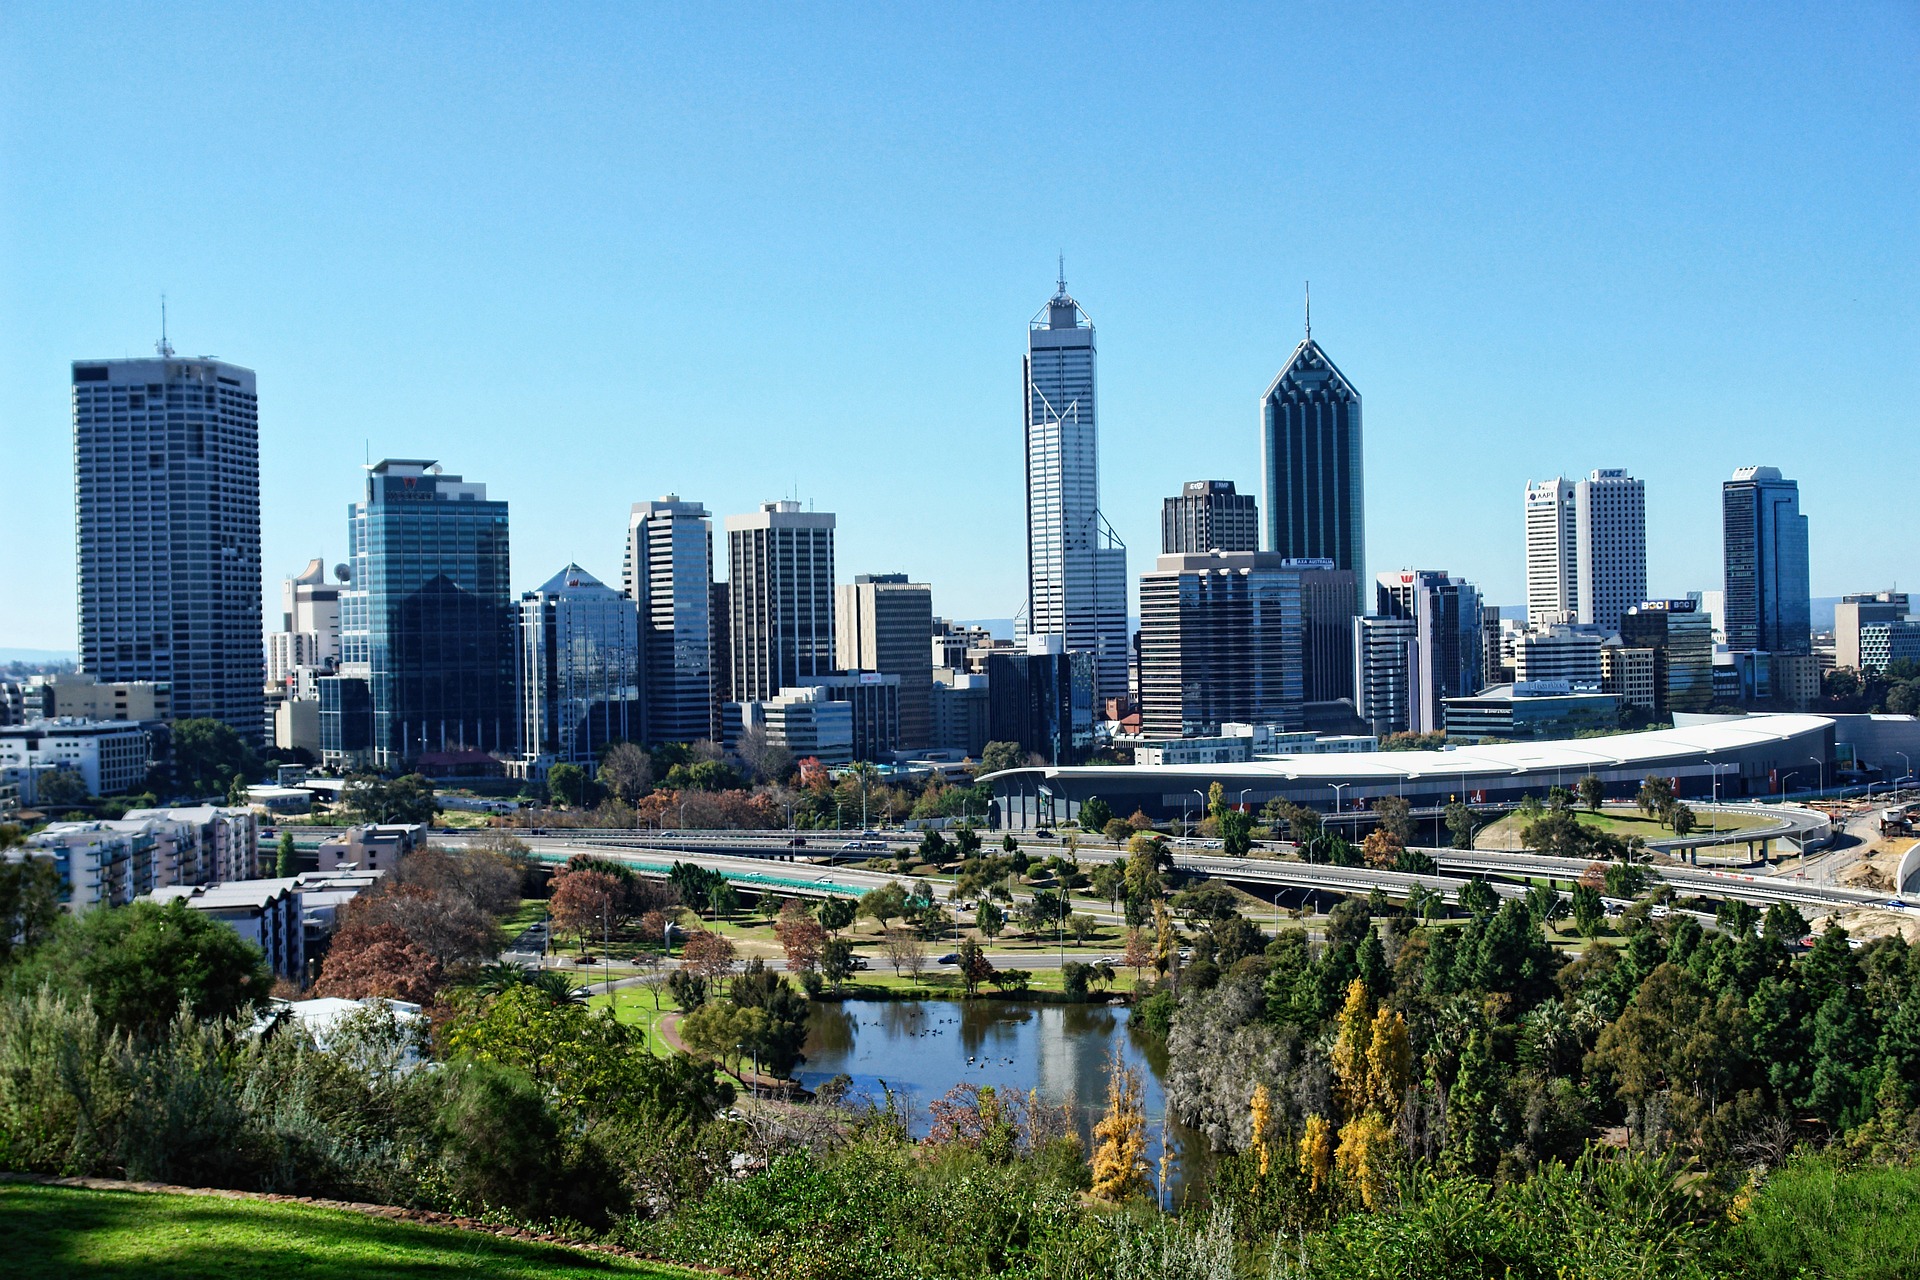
378, 960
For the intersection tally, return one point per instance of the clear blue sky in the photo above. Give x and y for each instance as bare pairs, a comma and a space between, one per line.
592, 254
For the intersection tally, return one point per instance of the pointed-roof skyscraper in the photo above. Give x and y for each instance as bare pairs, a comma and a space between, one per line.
1311, 462
1076, 566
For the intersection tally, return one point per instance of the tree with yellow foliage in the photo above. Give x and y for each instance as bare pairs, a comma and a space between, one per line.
1262, 1123
1389, 1063
1351, 1073
1166, 942
1365, 1157
1120, 1139
1316, 1153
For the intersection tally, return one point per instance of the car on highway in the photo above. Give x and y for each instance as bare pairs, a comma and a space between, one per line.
797, 842
1659, 912
952, 957
1899, 904
864, 846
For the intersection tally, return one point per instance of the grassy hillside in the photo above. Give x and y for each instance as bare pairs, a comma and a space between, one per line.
68, 1231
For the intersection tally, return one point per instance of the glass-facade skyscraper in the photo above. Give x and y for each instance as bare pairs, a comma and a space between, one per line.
1768, 590
1076, 566
1447, 661
1312, 462
579, 669
441, 639
669, 575
166, 485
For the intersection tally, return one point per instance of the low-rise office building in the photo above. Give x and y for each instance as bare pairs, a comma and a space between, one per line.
807, 721
1881, 644
378, 846
109, 755
76, 695
1533, 709
960, 711
1242, 742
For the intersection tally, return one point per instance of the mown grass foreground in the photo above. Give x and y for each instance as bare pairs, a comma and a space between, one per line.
58, 1232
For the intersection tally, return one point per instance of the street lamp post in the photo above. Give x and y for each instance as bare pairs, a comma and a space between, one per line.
1790, 774
1338, 787
1203, 809
1906, 771
1823, 772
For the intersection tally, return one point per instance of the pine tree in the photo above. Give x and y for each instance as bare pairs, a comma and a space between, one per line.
1471, 1137
287, 860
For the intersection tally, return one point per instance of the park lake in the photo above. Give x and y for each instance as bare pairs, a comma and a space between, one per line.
919, 1049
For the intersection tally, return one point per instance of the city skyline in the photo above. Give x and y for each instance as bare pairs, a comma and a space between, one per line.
390, 311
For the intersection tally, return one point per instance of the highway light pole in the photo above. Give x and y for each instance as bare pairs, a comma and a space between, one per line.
1823, 772
1338, 787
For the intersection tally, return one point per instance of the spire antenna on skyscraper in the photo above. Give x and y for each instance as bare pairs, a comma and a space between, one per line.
1309, 311
164, 347
1061, 280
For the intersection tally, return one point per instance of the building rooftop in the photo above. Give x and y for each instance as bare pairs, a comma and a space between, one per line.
1616, 751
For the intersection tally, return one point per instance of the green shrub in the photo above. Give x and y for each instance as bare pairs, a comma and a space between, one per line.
1815, 1218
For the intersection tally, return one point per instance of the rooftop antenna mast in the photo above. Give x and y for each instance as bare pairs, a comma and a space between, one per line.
1061, 281
164, 347
1309, 311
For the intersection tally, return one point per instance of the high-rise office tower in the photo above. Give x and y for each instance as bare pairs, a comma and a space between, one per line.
1209, 515
1611, 550
1678, 639
166, 461
1386, 667
669, 576
579, 669
780, 591
1586, 549
1553, 564
1223, 639
885, 623
1768, 605
1076, 566
442, 640
1312, 462
1042, 697
1448, 660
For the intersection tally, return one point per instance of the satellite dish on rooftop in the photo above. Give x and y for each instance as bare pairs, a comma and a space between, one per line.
342, 574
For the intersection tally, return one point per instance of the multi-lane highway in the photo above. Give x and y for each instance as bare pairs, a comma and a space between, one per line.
769, 860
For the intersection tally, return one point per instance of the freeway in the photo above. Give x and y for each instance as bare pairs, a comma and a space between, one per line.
743, 858
1684, 879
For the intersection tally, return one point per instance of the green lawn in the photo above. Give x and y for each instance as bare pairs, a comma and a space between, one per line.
1505, 834
635, 1006
56, 1232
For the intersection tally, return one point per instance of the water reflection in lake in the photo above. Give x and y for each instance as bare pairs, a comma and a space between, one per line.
920, 1049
